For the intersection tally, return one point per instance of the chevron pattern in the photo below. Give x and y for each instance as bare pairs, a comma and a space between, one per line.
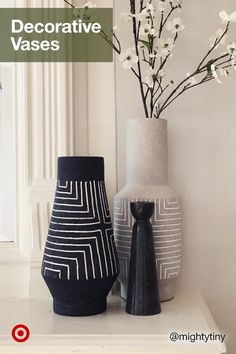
167, 233
80, 243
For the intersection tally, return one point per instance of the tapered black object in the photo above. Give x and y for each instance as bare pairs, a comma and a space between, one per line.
143, 295
80, 261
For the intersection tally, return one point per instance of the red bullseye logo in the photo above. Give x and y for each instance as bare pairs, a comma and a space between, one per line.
20, 333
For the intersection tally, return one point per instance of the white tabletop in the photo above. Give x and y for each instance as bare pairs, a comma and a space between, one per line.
112, 332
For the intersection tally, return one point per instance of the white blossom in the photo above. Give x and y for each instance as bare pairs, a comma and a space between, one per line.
177, 3
223, 72
225, 17
90, 5
142, 16
116, 28
126, 16
161, 5
233, 62
149, 10
158, 44
150, 77
161, 73
231, 48
146, 13
141, 46
167, 47
219, 33
146, 30
214, 74
163, 47
152, 55
192, 80
158, 105
128, 58
175, 25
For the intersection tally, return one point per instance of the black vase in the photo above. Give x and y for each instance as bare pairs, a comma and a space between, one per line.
80, 262
143, 295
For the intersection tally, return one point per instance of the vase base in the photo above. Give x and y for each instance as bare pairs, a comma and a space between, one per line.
82, 309
167, 290
79, 297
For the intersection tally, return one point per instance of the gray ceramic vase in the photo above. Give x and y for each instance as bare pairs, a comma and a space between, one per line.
147, 180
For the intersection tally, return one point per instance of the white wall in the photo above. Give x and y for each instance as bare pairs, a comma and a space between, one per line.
202, 156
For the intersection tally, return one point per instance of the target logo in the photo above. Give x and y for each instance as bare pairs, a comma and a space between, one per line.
20, 333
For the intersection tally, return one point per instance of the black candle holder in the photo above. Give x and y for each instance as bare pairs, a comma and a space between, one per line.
143, 295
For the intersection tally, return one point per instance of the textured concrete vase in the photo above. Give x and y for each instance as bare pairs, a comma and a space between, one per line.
147, 180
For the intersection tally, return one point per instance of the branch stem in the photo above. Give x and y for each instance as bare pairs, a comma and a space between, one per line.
136, 37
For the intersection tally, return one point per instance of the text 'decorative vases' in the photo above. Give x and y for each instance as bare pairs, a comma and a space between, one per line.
80, 262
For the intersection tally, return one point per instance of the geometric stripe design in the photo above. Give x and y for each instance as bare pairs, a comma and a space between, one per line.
167, 233
80, 243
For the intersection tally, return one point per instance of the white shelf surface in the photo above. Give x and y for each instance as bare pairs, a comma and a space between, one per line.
112, 332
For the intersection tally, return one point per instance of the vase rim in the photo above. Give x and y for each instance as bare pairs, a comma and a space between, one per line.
162, 123
80, 168
156, 120
80, 157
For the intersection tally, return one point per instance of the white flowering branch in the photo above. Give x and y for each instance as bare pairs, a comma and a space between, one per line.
116, 47
155, 32
136, 32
